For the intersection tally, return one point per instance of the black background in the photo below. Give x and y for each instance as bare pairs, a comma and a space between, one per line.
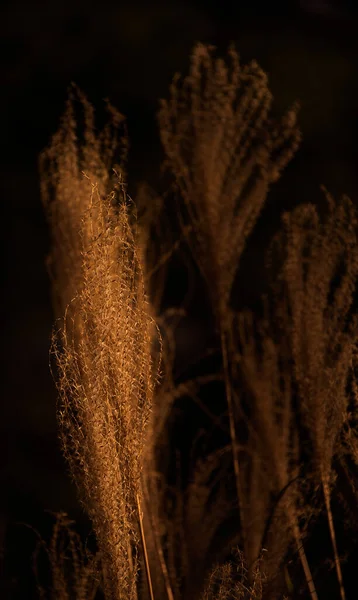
128, 52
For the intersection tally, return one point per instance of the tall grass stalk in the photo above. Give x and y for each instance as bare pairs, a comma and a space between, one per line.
270, 460
314, 296
223, 151
102, 349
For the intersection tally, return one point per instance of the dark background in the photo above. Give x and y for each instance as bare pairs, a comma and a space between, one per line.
128, 52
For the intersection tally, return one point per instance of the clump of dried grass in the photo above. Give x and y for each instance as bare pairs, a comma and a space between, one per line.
102, 349
273, 502
223, 150
74, 570
228, 581
314, 305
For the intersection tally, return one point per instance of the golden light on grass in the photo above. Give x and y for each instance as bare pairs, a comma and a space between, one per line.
223, 151
102, 350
